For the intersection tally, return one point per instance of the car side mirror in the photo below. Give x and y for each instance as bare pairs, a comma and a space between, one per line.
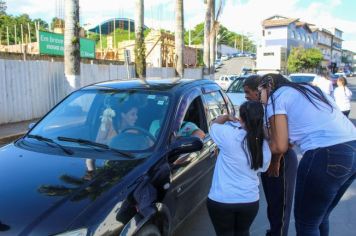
184, 145
30, 126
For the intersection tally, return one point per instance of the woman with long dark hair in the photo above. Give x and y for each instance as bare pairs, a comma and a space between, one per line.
303, 115
233, 200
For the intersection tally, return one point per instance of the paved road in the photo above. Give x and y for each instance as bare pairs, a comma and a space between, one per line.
234, 66
342, 219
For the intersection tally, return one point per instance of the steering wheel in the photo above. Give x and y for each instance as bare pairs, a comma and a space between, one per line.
140, 130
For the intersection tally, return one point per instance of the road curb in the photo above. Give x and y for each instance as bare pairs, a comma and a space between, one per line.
9, 138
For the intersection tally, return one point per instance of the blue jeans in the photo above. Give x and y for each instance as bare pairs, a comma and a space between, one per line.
324, 174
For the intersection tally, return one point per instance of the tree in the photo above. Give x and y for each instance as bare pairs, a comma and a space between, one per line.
224, 36
214, 29
212, 40
179, 38
71, 44
8, 22
140, 50
301, 59
3, 7
207, 27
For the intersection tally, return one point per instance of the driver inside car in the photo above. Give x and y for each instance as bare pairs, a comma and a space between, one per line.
113, 122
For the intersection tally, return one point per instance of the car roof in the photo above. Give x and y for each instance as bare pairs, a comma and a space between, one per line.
303, 74
150, 84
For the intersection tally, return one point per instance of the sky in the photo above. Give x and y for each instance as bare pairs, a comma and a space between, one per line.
240, 16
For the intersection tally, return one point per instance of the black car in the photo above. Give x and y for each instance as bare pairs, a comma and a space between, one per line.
79, 171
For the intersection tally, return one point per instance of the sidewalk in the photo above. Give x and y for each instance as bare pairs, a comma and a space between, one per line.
12, 131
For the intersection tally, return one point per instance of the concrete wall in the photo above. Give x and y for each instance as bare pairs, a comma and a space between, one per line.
29, 89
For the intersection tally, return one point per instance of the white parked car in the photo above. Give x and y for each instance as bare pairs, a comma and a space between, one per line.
302, 77
225, 57
236, 92
225, 80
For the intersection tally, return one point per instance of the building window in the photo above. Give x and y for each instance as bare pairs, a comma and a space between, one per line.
268, 54
263, 33
293, 34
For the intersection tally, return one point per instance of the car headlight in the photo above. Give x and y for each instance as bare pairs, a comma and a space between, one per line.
78, 232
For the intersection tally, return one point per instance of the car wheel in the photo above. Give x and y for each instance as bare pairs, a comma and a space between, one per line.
149, 230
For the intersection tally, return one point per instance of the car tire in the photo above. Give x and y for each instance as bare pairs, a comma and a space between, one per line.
149, 230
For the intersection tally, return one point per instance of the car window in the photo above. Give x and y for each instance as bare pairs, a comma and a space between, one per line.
125, 120
236, 86
73, 113
216, 104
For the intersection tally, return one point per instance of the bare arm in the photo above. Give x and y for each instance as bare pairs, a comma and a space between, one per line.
223, 118
199, 133
278, 142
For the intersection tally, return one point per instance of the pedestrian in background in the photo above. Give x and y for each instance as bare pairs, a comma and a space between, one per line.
279, 181
303, 115
342, 96
233, 200
324, 83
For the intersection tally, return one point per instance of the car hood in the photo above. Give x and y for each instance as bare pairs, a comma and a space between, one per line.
55, 189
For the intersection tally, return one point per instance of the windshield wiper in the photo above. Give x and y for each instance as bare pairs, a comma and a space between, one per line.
95, 144
49, 141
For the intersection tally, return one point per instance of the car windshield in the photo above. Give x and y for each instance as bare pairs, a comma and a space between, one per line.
236, 86
302, 78
110, 119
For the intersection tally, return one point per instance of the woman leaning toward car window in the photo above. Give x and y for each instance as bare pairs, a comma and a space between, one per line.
233, 200
303, 115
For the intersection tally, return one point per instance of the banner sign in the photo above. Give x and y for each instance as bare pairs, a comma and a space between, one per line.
53, 44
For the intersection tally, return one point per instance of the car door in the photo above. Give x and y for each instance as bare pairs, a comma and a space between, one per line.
192, 172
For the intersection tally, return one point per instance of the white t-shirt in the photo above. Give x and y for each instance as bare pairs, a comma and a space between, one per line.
234, 181
324, 84
310, 127
342, 96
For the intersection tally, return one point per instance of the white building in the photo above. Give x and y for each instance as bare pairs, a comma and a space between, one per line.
336, 50
324, 42
287, 33
272, 58
279, 35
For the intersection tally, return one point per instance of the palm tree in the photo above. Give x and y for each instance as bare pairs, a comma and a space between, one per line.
207, 26
179, 38
71, 44
212, 40
140, 51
